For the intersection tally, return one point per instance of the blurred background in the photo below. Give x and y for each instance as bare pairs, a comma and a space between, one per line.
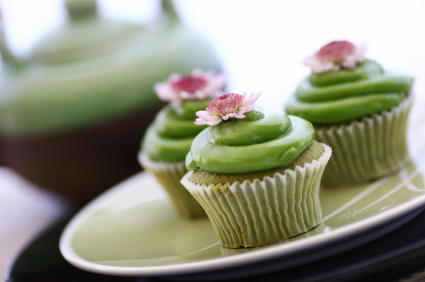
258, 44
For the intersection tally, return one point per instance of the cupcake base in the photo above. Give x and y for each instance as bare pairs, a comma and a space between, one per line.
169, 175
366, 149
263, 212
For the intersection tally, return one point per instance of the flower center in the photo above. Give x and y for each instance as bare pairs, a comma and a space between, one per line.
225, 104
335, 51
189, 84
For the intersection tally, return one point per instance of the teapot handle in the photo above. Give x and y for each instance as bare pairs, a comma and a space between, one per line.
8, 58
169, 10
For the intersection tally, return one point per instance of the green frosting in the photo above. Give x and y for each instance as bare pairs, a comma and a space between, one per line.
261, 141
347, 94
170, 136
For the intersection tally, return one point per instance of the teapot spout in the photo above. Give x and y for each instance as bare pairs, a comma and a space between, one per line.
8, 58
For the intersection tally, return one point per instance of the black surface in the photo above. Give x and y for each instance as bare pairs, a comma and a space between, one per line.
389, 258
42, 261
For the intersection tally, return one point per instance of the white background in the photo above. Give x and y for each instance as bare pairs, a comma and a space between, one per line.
261, 43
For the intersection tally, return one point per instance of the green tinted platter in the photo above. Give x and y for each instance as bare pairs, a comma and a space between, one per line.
132, 229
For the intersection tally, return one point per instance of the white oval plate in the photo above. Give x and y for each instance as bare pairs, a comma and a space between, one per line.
133, 230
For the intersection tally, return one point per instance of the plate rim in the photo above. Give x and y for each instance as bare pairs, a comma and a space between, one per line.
185, 268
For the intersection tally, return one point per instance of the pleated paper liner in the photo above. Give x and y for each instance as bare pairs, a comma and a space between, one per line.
263, 212
366, 149
169, 175
314, 231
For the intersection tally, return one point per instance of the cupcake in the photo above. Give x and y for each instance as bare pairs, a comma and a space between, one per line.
256, 173
358, 109
168, 139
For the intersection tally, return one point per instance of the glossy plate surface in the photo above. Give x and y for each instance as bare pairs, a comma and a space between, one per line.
133, 230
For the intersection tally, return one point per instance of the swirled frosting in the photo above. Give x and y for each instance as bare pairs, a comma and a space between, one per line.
170, 136
348, 94
261, 141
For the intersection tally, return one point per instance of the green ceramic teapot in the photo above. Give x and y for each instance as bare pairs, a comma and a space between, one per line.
72, 114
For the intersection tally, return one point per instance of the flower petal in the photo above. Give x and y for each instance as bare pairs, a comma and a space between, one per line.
359, 52
323, 67
200, 121
175, 77
165, 93
226, 117
349, 61
214, 121
197, 73
187, 96
249, 101
200, 95
204, 114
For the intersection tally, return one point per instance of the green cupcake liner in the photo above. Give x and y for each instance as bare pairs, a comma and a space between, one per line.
169, 175
264, 212
366, 149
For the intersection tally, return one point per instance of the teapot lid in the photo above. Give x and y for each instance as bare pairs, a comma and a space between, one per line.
86, 34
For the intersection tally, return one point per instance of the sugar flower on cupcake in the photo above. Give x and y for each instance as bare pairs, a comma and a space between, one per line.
227, 106
199, 85
335, 55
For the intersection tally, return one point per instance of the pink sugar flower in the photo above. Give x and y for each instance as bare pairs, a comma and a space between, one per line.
335, 55
198, 85
227, 106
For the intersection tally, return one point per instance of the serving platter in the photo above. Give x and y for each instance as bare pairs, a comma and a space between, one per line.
132, 229
389, 258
